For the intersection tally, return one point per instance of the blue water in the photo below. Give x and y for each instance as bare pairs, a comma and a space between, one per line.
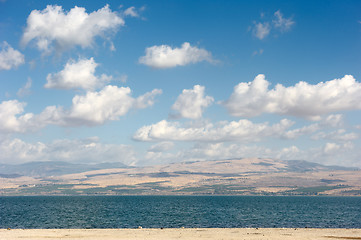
179, 211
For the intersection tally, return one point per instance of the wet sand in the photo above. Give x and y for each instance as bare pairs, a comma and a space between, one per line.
187, 233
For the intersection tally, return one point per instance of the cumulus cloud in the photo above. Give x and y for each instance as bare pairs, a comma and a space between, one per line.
76, 151
9, 57
341, 154
93, 108
283, 24
220, 151
165, 56
287, 153
55, 28
333, 120
146, 99
212, 151
25, 90
242, 130
330, 153
338, 135
191, 103
78, 74
97, 107
110, 103
295, 133
131, 11
161, 147
9, 121
344, 154
14, 120
261, 30
331, 148
302, 100
17, 151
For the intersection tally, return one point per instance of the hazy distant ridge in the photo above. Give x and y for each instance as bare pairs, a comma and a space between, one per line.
45, 169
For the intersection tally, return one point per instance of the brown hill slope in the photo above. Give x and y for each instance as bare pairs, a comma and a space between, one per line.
251, 176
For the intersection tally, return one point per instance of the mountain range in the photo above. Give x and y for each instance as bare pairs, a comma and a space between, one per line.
247, 176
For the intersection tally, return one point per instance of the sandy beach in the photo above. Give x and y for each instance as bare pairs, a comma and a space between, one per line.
187, 233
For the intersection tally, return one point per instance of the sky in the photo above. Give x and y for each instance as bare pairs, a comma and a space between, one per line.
157, 82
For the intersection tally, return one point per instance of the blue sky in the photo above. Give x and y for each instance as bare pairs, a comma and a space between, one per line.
154, 82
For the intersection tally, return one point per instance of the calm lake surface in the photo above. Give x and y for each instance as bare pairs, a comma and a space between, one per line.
179, 211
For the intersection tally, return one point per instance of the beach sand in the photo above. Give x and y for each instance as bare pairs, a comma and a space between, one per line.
187, 233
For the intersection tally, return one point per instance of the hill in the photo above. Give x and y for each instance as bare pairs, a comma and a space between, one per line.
46, 169
248, 176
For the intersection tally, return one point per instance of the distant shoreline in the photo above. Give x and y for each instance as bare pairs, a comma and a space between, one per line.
183, 233
176, 195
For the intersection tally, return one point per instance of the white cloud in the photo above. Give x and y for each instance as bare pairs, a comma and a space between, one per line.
94, 108
344, 154
92, 151
161, 147
9, 122
287, 153
239, 131
9, 57
75, 151
159, 158
123, 78
131, 12
108, 104
146, 99
243, 131
212, 151
221, 151
78, 74
206, 151
261, 30
54, 27
333, 120
17, 151
283, 24
165, 56
259, 52
25, 90
330, 153
338, 135
331, 148
302, 100
306, 130
12, 119
191, 103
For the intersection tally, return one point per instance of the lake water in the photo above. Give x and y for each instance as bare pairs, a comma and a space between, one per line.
179, 211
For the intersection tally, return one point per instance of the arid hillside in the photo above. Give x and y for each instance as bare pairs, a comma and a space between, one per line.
251, 176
